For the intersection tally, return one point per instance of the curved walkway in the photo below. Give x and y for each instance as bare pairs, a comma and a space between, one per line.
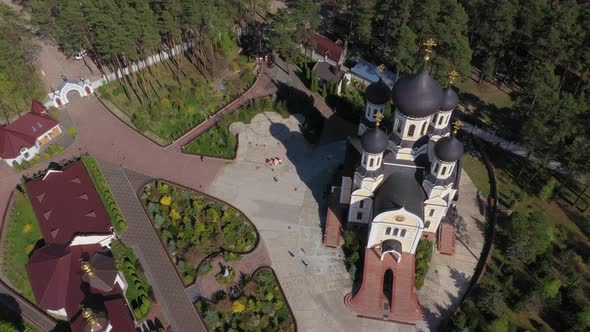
207, 285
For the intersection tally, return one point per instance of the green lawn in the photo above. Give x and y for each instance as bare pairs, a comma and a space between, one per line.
487, 92
178, 101
22, 233
261, 307
219, 142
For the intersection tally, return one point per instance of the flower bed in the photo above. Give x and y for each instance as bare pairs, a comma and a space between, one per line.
105, 194
260, 307
138, 289
192, 226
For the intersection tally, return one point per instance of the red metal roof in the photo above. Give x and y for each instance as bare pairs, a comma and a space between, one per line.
37, 107
23, 132
56, 278
66, 204
49, 272
326, 47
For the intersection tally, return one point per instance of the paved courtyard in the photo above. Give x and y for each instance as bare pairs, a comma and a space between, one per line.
288, 214
448, 276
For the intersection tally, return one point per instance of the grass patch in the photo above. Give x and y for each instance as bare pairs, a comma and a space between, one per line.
487, 92
105, 194
138, 289
177, 105
22, 235
72, 132
219, 142
261, 307
193, 226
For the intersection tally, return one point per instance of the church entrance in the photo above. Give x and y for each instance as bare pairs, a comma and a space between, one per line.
387, 291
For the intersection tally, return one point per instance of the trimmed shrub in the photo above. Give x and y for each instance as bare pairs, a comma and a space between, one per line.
105, 194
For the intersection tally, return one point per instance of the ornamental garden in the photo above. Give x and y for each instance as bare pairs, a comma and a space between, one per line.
192, 226
259, 306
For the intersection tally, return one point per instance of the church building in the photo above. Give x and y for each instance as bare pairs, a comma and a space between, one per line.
401, 179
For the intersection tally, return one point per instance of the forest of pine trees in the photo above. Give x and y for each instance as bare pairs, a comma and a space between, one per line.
539, 49
18, 81
120, 33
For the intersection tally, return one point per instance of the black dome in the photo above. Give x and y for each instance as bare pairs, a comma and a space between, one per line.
448, 149
417, 95
378, 92
450, 100
374, 141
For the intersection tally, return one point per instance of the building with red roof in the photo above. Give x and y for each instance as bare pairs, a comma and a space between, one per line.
57, 276
327, 50
68, 208
22, 139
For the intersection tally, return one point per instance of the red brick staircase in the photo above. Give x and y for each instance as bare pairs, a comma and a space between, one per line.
370, 301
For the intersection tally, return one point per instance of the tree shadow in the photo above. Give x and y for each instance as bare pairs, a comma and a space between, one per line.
435, 317
460, 279
10, 311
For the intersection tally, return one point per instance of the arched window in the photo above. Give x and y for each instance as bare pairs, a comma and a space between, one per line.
423, 128
388, 231
395, 231
359, 216
444, 170
403, 234
431, 213
399, 126
364, 159
427, 224
436, 168
371, 162
440, 119
411, 130
361, 203
378, 160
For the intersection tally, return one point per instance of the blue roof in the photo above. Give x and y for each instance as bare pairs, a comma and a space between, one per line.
370, 73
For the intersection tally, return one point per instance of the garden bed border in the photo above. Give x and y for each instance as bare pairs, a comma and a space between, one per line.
212, 254
253, 275
189, 130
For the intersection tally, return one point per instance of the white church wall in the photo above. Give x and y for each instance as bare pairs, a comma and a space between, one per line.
399, 225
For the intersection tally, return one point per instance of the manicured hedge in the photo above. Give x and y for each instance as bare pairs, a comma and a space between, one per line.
423, 256
105, 194
138, 289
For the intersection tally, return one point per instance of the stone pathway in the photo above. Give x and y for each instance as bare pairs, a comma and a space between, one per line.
207, 285
448, 276
158, 267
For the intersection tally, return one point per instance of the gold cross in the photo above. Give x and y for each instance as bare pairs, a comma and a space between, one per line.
456, 125
378, 117
428, 45
453, 74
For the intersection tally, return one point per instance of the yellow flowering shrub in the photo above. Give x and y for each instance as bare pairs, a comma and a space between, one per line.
174, 215
166, 200
238, 307
27, 228
29, 248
